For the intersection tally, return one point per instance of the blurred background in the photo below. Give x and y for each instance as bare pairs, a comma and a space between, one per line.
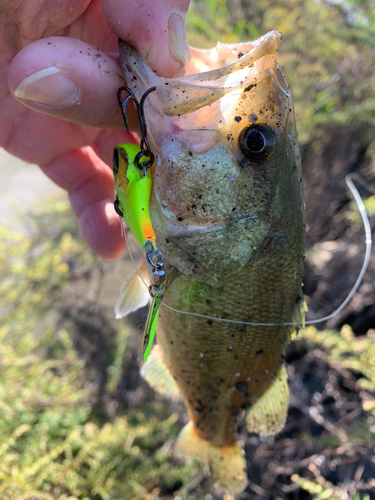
76, 420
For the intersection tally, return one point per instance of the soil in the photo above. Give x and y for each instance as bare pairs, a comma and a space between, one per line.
336, 246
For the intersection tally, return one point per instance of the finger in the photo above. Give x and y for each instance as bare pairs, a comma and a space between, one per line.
89, 183
156, 29
69, 79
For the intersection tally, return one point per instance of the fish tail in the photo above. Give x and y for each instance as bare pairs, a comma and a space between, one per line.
226, 463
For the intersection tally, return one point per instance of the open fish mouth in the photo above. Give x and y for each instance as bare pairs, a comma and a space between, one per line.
230, 57
204, 185
211, 73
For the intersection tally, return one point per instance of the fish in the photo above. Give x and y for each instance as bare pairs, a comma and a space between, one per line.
227, 210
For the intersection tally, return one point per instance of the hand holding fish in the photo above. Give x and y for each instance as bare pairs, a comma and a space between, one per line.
60, 61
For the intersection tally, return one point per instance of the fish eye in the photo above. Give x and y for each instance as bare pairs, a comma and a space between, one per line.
257, 142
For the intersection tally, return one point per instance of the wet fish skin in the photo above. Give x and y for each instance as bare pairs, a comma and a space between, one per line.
234, 228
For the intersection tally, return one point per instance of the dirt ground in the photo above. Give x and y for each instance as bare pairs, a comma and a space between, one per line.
335, 246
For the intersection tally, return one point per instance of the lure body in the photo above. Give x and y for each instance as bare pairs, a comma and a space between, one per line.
228, 213
133, 191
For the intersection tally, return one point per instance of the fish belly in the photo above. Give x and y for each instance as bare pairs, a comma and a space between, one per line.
223, 368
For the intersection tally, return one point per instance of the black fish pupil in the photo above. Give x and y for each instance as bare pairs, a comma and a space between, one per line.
255, 141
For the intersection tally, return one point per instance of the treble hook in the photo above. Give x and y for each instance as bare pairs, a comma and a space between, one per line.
144, 144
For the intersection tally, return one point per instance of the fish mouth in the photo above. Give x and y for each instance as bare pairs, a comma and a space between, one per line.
211, 74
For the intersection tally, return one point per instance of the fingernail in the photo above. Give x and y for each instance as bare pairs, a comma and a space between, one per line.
177, 38
50, 86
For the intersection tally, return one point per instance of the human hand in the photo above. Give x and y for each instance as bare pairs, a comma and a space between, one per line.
60, 60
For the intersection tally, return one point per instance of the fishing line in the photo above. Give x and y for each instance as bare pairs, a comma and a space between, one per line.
368, 241
124, 233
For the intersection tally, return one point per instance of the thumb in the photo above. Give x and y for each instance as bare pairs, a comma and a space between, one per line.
156, 29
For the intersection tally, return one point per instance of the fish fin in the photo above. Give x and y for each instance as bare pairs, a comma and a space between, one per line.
157, 375
267, 416
226, 463
298, 318
133, 295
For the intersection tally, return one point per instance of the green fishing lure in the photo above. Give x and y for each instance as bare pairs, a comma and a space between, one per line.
150, 328
133, 189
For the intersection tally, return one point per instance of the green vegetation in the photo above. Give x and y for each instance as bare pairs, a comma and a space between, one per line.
324, 490
356, 354
54, 443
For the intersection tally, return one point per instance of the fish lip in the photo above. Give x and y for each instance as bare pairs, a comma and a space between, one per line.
268, 43
253, 51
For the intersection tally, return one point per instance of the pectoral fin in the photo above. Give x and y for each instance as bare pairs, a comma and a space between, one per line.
134, 294
267, 416
157, 375
298, 317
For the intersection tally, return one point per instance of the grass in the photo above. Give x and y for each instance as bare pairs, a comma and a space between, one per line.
55, 443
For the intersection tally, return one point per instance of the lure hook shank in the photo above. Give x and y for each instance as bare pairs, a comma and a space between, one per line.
145, 152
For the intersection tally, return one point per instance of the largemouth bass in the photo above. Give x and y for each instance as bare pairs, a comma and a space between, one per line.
228, 214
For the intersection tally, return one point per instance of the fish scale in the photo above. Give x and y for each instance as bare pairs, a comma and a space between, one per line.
224, 342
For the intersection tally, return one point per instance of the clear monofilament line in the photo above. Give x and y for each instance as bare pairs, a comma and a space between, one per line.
124, 233
368, 241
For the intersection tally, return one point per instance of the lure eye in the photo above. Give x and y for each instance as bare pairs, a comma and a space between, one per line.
115, 161
120, 167
257, 142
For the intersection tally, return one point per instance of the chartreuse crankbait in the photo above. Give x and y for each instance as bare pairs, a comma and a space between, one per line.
133, 190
